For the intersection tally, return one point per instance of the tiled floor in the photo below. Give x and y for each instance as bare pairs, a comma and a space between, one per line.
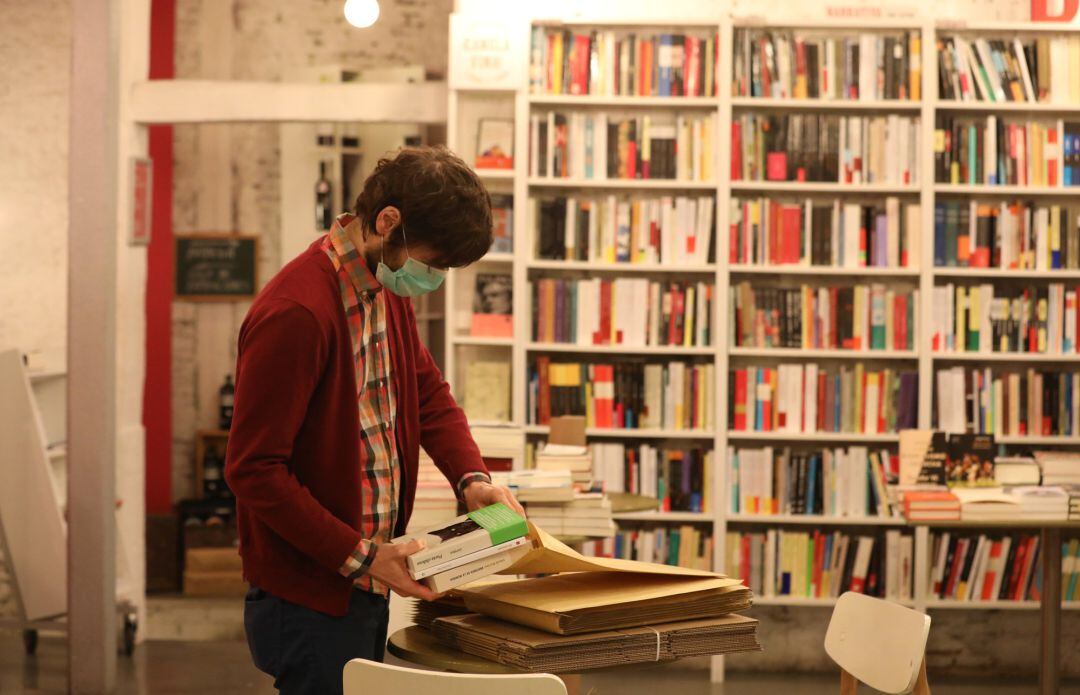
183, 668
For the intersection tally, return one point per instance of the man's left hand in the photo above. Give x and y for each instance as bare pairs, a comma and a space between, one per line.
481, 494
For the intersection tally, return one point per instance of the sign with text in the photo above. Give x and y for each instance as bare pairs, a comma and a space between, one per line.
216, 267
1054, 10
486, 53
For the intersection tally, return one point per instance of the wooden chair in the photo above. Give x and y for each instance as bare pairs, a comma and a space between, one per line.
879, 643
366, 677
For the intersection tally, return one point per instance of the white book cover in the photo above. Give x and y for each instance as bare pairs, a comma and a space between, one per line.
471, 557
999, 567
477, 569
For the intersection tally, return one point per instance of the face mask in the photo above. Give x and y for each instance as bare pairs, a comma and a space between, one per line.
411, 279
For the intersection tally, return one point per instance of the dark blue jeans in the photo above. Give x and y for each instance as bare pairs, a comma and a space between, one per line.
305, 650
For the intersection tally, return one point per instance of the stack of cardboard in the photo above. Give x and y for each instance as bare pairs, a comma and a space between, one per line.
213, 572
598, 612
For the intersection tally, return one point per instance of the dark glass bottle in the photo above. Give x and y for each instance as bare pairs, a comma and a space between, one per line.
225, 403
323, 200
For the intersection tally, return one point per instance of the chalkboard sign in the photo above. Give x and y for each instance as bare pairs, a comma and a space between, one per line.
216, 267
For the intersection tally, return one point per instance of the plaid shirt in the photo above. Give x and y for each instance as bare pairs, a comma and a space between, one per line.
365, 312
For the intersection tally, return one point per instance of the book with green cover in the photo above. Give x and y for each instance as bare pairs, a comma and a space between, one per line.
466, 534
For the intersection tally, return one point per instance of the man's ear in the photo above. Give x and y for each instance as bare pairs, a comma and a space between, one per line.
387, 221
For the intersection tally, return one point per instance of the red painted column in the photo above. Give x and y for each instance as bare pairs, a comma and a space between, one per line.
157, 394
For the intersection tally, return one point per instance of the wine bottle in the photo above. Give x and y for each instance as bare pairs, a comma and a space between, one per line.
323, 200
225, 403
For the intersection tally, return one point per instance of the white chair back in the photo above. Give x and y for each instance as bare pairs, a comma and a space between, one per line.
882, 644
365, 677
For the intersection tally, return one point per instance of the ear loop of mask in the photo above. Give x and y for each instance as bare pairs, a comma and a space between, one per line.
382, 245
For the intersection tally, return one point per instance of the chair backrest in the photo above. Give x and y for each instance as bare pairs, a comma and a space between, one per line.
881, 643
364, 677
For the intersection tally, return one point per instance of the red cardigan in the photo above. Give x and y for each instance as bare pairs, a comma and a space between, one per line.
293, 454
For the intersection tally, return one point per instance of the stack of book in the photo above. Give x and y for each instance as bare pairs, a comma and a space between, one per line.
624, 311
683, 546
986, 504
1042, 69
822, 565
848, 482
537, 486
1010, 235
1026, 402
1016, 470
470, 547
996, 152
985, 567
931, 505
588, 514
1042, 503
1073, 491
1059, 467
609, 63
824, 147
628, 395
679, 479
804, 398
599, 146
570, 458
862, 317
985, 318
766, 231
792, 65
675, 231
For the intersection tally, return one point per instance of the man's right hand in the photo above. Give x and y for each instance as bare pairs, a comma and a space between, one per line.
389, 567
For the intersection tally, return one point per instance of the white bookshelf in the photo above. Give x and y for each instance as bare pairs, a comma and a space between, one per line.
923, 274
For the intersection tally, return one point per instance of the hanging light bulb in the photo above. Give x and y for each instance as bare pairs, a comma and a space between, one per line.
361, 13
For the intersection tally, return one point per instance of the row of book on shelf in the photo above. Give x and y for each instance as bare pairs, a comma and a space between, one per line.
1032, 70
624, 311
680, 479
599, 146
825, 147
781, 64
998, 151
1019, 235
994, 567
859, 317
984, 318
1005, 401
677, 395
807, 398
673, 230
614, 63
686, 545
766, 231
816, 564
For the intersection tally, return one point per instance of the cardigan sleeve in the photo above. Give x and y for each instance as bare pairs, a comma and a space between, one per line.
444, 430
282, 353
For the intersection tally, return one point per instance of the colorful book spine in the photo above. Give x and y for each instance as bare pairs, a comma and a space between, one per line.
683, 546
998, 151
1045, 69
1003, 401
995, 567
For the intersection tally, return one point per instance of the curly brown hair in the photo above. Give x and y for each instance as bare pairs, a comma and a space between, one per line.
443, 203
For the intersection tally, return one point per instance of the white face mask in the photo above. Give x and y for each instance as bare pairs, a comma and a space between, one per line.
413, 278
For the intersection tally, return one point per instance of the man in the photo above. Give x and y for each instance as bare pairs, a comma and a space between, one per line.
334, 396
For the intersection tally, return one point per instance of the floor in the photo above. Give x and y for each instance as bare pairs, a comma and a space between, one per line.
166, 668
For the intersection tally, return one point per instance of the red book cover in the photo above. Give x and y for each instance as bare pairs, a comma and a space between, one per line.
991, 572
603, 395
631, 159
957, 565
739, 421
643, 69
580, 65
543, 396
819, 553
769, 377
1052, 163
678, 307
733, 243
693, 64
900, 340
1024, 589
736, 151
776, 166
821, 402
650, 65
775, 219
792, 233
605, 314
1020, 555
800, 66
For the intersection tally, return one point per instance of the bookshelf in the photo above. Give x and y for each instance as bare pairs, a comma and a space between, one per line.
921, 274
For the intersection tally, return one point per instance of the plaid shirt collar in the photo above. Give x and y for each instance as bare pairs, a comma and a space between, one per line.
348, 255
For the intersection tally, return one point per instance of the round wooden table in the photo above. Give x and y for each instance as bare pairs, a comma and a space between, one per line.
418, 646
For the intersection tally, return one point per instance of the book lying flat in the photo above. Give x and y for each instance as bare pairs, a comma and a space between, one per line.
533, 650
460, 560
466, 534
476, 569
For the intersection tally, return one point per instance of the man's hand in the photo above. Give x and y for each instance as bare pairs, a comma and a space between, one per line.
481, 494
389, 568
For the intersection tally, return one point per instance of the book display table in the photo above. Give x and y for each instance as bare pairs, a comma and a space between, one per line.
1050, 598
418, 646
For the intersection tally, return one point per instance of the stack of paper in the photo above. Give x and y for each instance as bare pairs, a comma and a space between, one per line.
470, 547
537, 486
533, 650
986, 504
1042, 503
1059, 467
587, 514
567, 457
